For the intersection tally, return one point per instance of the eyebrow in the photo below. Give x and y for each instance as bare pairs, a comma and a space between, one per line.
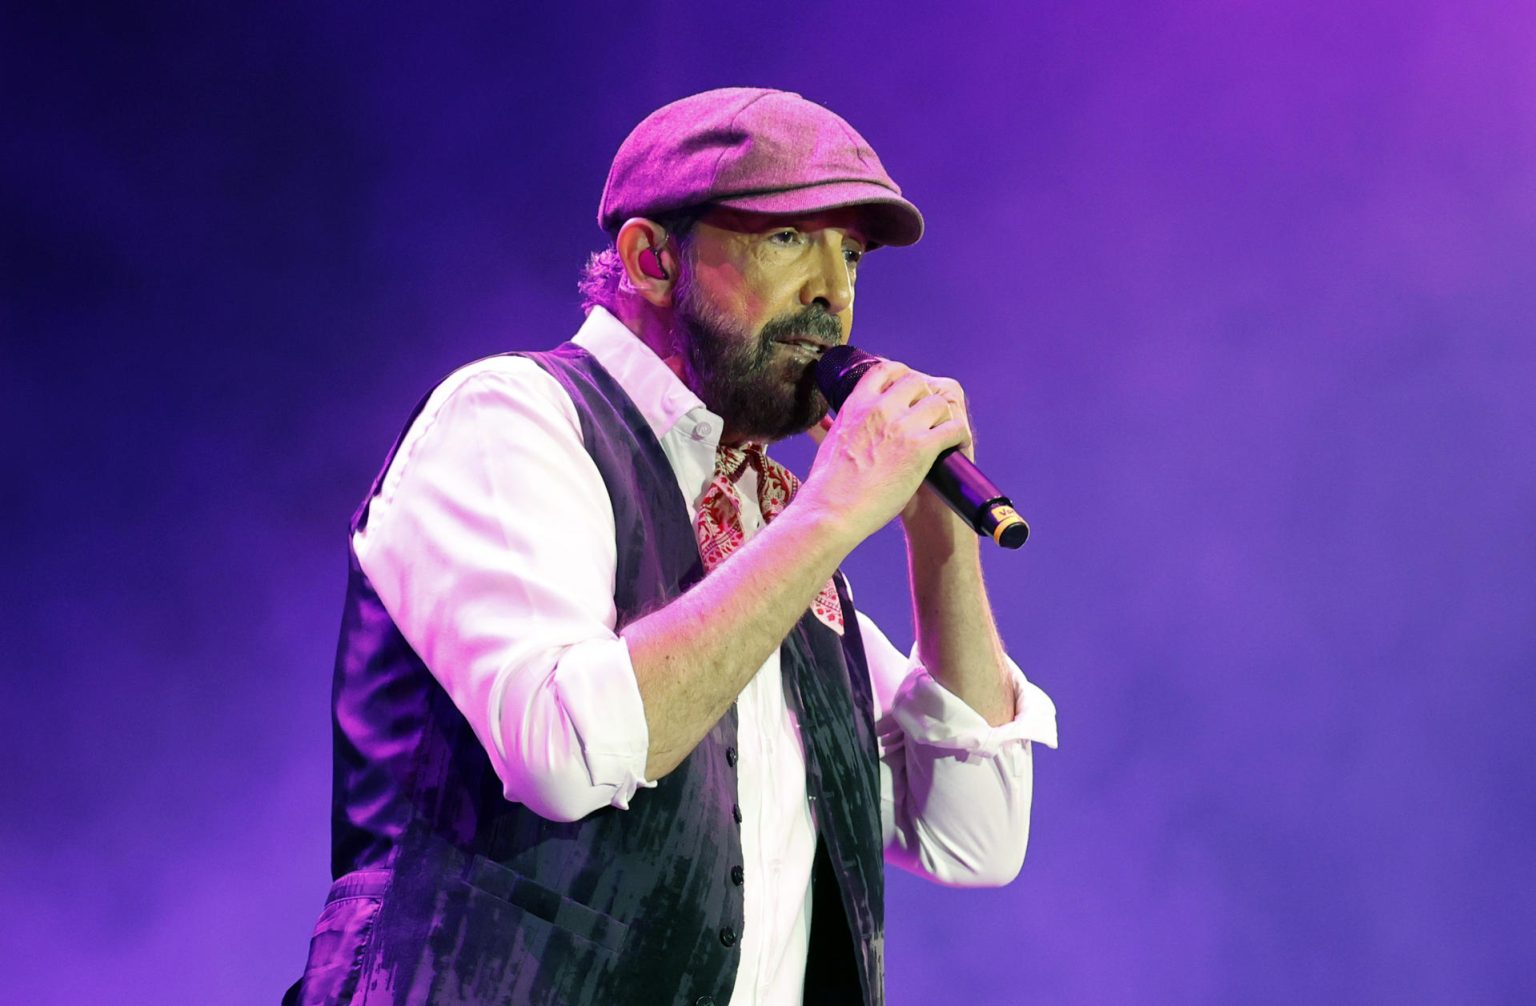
747, 222
853, 233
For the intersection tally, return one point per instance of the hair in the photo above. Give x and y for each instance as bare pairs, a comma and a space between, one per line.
603, 280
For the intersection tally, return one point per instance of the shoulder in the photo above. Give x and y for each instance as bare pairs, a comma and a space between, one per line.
490, 398
509, 383
492, 410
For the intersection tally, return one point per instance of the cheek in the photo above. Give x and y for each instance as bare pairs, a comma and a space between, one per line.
725, 289
758, 299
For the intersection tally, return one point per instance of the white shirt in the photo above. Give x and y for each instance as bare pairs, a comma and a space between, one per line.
491, 545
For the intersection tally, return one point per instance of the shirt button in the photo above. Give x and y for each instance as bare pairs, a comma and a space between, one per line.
738, 875
728, 936
730, 757
703, 430
736, 812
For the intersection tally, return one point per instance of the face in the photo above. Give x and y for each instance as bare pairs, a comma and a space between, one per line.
759, 299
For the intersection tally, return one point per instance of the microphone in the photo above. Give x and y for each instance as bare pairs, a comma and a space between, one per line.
958, 482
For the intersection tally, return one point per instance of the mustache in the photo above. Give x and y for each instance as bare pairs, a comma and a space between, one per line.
815, 321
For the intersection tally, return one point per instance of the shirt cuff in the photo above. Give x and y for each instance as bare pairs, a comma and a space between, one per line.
932, 715
595, 684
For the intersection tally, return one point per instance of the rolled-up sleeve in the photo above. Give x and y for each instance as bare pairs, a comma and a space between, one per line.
955, 791
491, 545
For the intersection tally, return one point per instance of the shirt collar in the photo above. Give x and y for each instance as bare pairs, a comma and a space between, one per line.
656, 391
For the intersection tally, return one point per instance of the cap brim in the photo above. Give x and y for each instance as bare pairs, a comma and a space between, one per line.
889, 219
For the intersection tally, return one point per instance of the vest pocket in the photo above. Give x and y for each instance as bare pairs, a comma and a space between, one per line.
572, 917
340, 940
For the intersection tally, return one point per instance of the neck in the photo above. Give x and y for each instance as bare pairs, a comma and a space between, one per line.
652, 325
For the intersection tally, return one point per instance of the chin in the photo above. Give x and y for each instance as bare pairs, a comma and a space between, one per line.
798, 422
767, 410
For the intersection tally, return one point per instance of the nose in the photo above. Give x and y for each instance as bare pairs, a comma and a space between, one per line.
828, 280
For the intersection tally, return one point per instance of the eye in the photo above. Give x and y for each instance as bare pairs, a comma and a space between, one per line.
852, 256
788, 236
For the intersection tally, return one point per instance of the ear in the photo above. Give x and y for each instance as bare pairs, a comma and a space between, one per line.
642, 247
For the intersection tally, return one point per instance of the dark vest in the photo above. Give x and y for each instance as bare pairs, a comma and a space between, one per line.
468, 898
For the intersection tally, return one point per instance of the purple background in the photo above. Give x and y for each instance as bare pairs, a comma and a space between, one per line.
1243, 295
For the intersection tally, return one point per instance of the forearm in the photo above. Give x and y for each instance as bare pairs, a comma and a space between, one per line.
694, 656
957, 638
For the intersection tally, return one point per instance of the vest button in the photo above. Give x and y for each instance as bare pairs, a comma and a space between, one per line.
704, 1001
730, 757
738, 875
736, 812
728, 936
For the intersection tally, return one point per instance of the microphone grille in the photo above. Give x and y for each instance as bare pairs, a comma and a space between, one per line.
839, 369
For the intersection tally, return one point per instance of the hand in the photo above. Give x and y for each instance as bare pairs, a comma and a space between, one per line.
927, 512
873, 457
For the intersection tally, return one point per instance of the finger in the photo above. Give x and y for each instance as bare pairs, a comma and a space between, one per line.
818, 432
949, 389
946, 387
959, 421
910, 389
932, 410
879, 378
938, 415
950, 433
954, 394
899, 397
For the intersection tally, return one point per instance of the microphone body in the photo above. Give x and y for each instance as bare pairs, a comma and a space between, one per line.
958, 481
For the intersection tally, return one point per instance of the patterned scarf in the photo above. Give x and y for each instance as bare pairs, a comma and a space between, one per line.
718, 524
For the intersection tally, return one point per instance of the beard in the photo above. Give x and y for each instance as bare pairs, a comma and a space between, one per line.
762, 390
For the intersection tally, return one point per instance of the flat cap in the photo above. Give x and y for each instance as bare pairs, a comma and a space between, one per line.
755, 149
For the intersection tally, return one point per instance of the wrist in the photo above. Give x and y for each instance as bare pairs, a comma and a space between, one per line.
817, 532
938, 534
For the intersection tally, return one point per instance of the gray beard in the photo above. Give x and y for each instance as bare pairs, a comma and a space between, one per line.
760, 391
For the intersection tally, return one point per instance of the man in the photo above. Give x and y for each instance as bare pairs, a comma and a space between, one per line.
573, 768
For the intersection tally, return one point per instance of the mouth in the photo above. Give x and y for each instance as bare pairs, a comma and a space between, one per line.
808, 346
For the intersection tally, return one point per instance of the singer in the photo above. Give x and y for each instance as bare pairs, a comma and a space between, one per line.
608, 727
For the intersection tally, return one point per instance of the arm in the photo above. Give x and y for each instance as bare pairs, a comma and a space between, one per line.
515, 622
693, 657
956, 793
518, 623
957, 764
956, 636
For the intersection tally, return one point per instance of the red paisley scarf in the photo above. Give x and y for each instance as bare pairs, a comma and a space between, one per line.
718, 524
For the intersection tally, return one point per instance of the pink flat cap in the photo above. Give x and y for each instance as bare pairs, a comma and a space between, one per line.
750, 148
